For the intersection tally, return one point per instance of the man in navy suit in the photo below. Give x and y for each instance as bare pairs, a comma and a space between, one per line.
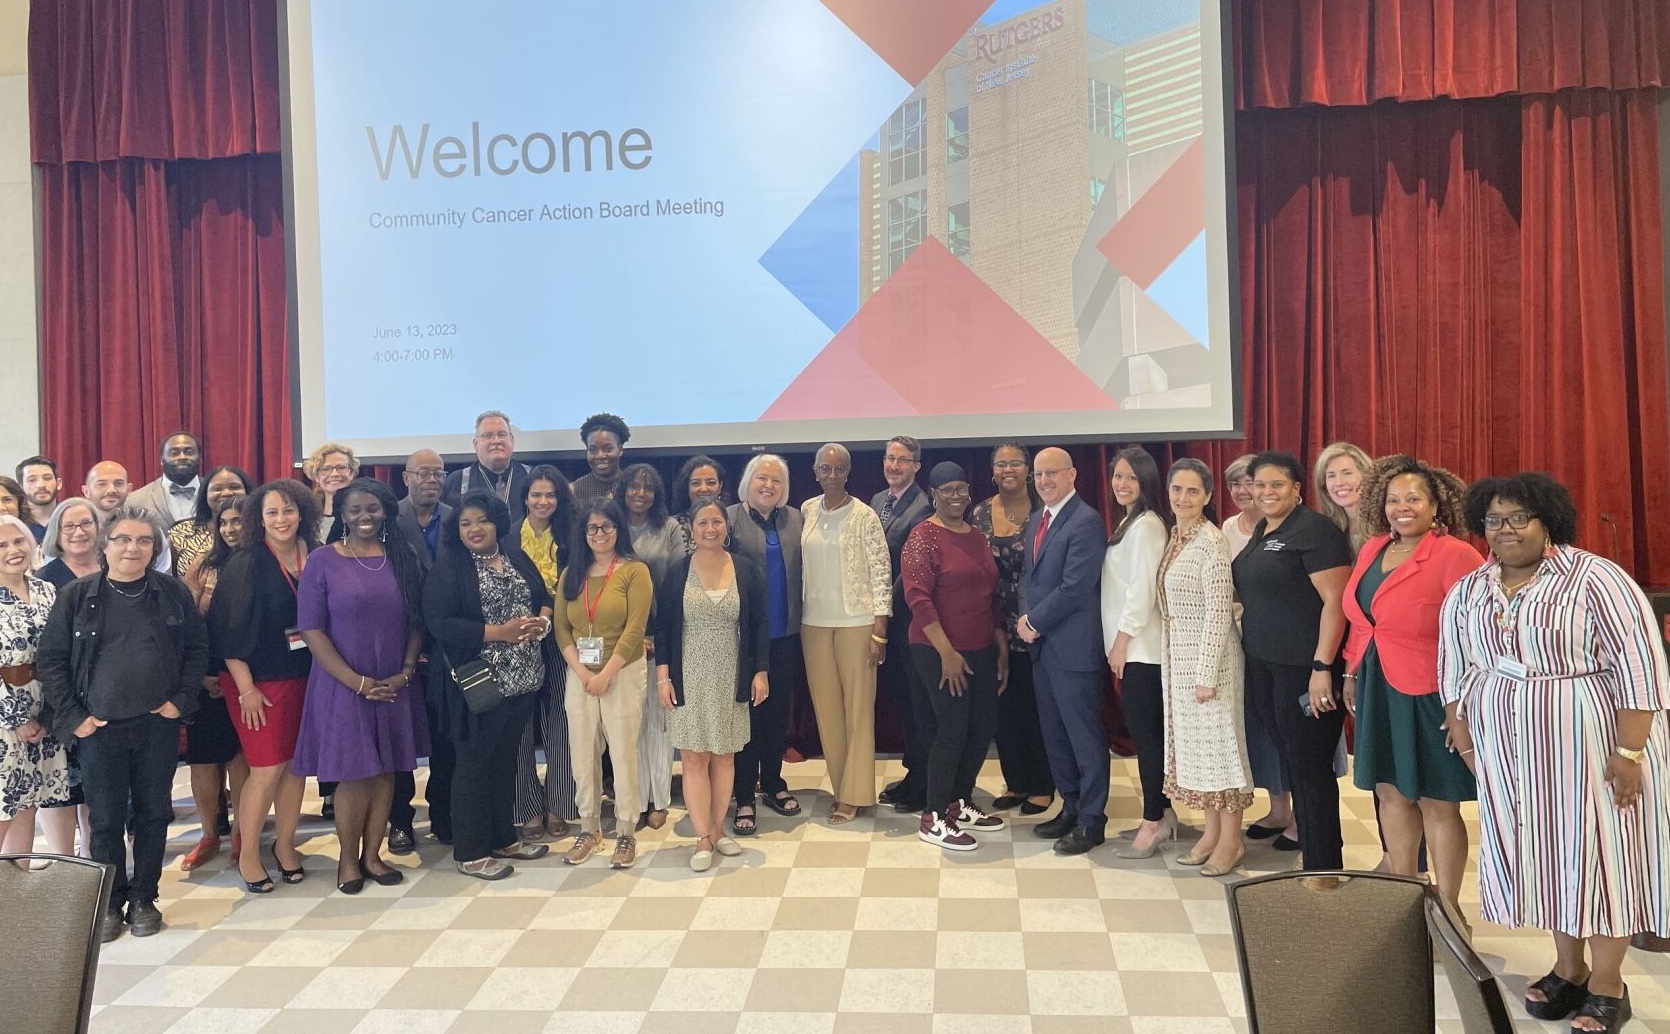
1061, 617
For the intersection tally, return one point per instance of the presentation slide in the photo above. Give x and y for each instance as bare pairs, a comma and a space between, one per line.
759, 222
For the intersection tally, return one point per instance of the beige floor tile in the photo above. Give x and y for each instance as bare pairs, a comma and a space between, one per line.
968, 914
1182, 1025
893, 949
805, 949
343, 913
1171, 994
498, 914
703, 990
420, 913
304, 948
754, 1022
1044, 883
1062, 915
629, 949
203, 1020
466, 948
883, 1023
353, 987
984, 950
725, 949
1158, 952
1125, 915
654, 913
896, 914
992, 991
689, 1023
313, 1021
566, 913
780, 990
824, 883
517, 987
602, 989
1075, 993
909, 852
1080, 1025
449, 988
176, 986
851, 853
112, 981
1067, 951
888, 991
568, 1021
386, 948
264, 987
957, 882
415, 1021
816, 914
750, 882
1219, 950
981, 1023
736, 913
902, 883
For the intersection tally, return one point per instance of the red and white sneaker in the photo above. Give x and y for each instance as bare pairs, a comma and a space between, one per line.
941, 829
971, 818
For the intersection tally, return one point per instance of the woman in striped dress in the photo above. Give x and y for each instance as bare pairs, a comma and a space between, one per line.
1553, 677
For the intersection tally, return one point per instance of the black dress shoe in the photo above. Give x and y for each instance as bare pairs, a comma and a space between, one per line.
110, 927
1029, 808
1079, 841
1007, 802
144, 919
900, 798
401, 841
1285, 843
1057, 827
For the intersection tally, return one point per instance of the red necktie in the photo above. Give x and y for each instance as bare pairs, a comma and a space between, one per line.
1038, 539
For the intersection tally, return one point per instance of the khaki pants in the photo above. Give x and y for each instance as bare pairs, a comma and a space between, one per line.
843, 687
613, 719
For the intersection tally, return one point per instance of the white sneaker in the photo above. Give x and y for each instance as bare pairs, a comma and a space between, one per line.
942, 830
971, 818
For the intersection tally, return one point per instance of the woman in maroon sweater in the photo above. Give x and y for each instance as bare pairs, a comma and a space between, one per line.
958, 645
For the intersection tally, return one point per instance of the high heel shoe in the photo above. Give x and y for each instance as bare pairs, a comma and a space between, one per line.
1213, 870
1168, 831
290, 876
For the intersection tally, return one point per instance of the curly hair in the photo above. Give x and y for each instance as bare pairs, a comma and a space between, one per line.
1446, 490
316, 459
605, 422
1537, 492
299, 496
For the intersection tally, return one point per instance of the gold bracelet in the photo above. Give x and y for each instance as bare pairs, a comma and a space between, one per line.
877, 639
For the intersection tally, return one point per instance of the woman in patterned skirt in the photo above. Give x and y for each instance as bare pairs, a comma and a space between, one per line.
712, 651
1206, 742
1553, 677
34, 769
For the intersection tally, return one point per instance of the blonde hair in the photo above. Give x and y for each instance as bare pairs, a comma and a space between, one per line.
1239, 467
1324, 502
316, 459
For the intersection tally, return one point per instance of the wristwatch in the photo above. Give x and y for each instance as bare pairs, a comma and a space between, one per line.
1321, 666
1630, 755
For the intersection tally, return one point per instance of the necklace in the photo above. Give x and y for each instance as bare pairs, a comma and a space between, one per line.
1018, 522
1510, 591
130, 595
365, 566
487, 558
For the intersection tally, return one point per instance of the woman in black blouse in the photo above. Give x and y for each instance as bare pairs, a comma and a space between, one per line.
485, 600
1291, 580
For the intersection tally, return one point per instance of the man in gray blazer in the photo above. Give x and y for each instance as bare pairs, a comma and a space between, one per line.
173, 497
902, 505
420, 517
422, 512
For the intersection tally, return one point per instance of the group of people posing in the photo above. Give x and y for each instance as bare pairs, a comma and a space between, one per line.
339, 633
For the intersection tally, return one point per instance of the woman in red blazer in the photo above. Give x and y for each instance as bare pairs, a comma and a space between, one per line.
1413, 514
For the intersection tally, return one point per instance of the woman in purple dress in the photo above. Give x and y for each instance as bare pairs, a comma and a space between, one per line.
360, 613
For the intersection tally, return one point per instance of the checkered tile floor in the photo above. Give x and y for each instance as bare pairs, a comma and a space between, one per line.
814, 929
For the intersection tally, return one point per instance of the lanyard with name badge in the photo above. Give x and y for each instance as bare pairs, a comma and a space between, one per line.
590, 647
293, 634
1507, 665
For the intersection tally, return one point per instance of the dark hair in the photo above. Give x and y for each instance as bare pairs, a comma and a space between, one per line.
579, 551
201, 511
162, 446
299, 496
695, 463
17, 492
605, 422
703, 502
1153, 495
1026, 454
488, 503
1202, 471
562, 519
657, 516
220, 552
159, 537
911, 445
1447, 492
401, 553
1539, 493
36, 461
1286, 462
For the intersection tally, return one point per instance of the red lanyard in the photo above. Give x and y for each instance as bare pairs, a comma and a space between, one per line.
285, 571
585, 596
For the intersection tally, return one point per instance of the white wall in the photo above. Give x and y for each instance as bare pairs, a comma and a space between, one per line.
19, 373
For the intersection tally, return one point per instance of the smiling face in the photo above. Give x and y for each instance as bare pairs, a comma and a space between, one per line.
1410, 508
899, 467
1275, 491
831, 468
951, 500
709, 528
704, 480
1124, 484
107, 486
494, 443
603, 452
17, 550
542, 499
280, 519
1053, 475
363, 515
1009, 471
601, 534
231, 525
1241, 492
639, 498
1188, 496
1344, 480
765, 487
477, 531
129, 551
336, 470
224, 485
77, 529
1515, 547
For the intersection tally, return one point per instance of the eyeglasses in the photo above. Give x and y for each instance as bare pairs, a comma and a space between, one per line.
124, 541
1050, 473
824, 470
494, 436
337, 468
427, 475
1519, 520
86, 525
953, 493
594, 530
1008, 464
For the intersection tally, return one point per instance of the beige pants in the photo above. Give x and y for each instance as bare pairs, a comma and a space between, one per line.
843, 686
613, 719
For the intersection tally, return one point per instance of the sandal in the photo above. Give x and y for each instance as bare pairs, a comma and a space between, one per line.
1561, 997
842, 814
782, 802
744, 825
1613, 1012
291, 876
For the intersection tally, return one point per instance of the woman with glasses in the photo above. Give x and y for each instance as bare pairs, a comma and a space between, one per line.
1554, 681
959, 647
849, 597
329, 468
658, 541
766, 529
193, 537
601, 615
1020, 741
545, 808
1291, 578
69, 545
605, 436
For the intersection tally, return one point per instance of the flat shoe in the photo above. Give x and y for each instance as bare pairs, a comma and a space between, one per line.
1007, 802
1562, 998
1214, 870
701, 861
392, 878
656, 817
352, 886
486, 869
727, 847
1033, 808
1195, 857
1257, 832
523, 851
1284, 842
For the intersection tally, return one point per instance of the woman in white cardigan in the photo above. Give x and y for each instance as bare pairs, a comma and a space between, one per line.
848, 588
1131, 633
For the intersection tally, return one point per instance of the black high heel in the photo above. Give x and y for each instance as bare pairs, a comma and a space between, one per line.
1561, 997
1613, 1012
290, 876
264, 886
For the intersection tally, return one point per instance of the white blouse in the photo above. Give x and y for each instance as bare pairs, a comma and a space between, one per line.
1130, 589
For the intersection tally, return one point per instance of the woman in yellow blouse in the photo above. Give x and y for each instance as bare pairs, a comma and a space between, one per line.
602, 608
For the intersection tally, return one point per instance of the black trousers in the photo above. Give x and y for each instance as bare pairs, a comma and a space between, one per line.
484, 781
127, 767
963, 724
1306, 746
761, 761
442, 762
1143, 693
905, 681
1020, 743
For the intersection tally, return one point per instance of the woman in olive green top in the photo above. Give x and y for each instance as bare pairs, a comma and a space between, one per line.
600, 621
